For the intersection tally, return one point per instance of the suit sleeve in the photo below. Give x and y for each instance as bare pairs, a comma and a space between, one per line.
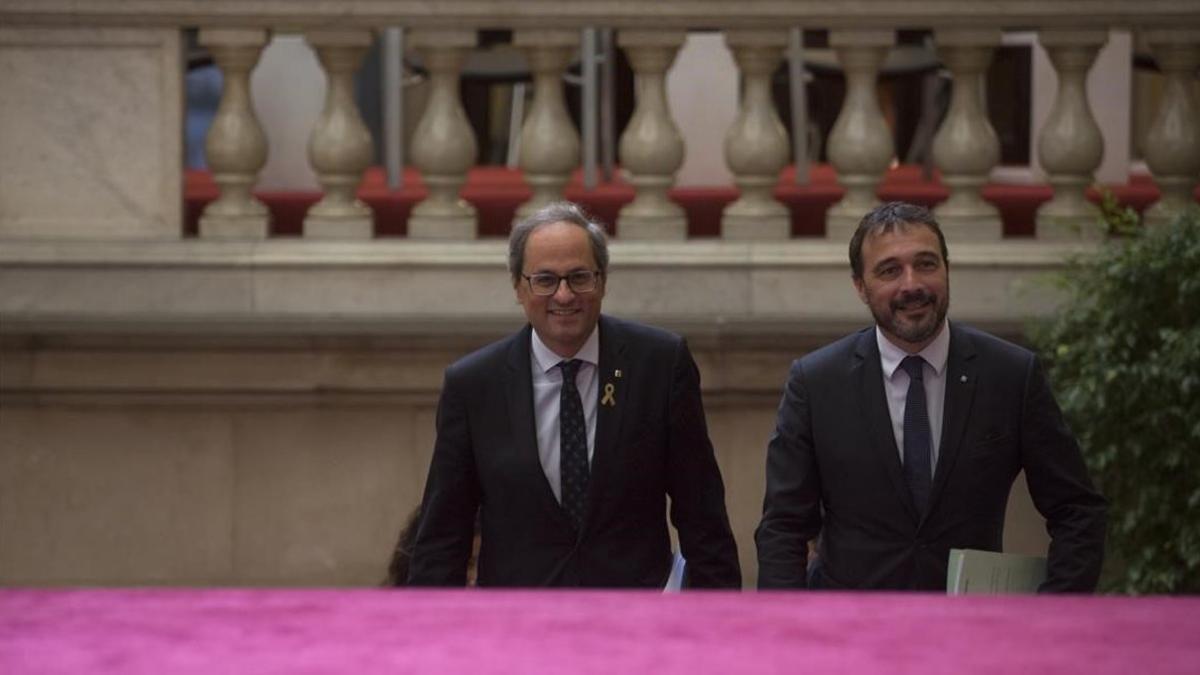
443, 544
1063, 493
791, 507
695, 486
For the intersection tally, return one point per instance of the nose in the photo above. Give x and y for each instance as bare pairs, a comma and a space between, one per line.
909, 278
563, 294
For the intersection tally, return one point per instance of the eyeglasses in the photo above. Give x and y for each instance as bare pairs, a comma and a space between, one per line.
579, 281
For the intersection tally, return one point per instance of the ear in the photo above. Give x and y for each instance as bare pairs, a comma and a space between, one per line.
861, 287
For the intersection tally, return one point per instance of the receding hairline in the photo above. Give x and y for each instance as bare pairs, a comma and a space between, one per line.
567, 213
892, 226
892, 217
902, 226
569, 225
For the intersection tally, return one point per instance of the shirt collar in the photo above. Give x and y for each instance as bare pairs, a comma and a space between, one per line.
547, 360
935, 353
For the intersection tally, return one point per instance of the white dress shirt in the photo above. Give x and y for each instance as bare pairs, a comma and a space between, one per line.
895, 385
547, 387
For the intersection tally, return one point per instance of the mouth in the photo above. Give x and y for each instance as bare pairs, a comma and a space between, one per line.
914, 307
914, 304
563, 312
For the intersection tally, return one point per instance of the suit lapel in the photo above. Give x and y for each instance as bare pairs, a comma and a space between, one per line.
961, 380
613, 380
873, 403
524, 425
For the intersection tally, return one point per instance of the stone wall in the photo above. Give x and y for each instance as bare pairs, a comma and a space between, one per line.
256, 460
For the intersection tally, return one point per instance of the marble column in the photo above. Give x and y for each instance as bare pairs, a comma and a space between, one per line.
860, 146
549, 142
966, 147
443, 145
651, 148
1172, 144
1070, 145
340, 147
756, 146
236, 147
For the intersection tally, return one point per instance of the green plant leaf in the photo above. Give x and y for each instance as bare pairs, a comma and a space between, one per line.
1123, 356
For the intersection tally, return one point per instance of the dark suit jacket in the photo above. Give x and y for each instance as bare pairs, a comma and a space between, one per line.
653, 443
833, 469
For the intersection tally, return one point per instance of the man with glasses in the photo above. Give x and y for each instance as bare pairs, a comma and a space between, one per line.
568, 438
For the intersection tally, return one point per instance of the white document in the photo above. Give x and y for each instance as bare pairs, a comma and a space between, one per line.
986, 572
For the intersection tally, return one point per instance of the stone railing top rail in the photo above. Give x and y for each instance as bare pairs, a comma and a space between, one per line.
302, 14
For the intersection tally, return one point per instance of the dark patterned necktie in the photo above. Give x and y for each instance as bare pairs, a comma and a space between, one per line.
918, 443
572, 430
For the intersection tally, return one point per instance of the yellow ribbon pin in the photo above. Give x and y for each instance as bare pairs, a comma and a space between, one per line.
608, 398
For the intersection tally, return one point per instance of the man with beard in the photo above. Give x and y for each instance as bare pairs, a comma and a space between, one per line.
899, 442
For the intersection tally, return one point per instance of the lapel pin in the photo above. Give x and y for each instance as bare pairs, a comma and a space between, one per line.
609, 397
963, 379
617, 373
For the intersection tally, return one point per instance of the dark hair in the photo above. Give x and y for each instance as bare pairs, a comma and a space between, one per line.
888, 217
555, 212
397, 573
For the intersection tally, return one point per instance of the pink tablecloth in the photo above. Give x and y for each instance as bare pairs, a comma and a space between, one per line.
381, 631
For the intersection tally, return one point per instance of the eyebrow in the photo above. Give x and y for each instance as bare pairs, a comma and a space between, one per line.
883, 263
919, 255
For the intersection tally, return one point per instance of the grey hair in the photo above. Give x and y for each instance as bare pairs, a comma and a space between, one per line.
887, 217
556, 212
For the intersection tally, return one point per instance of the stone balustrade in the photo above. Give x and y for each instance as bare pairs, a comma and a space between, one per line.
1069, 144
965, 148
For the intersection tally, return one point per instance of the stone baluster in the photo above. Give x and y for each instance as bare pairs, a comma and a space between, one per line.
1172, 144
549, 141
756, 146
1070, 145
651, 147
966, 147
443, 145
860, 145
340, 147
235, 148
